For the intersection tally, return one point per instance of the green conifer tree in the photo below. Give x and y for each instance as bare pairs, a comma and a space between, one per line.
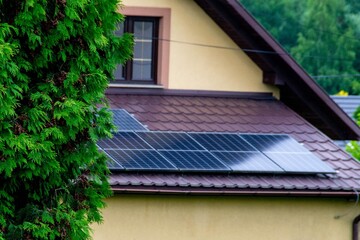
56, 59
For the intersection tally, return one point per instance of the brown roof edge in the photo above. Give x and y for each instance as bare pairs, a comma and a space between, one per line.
190, 93
232, 192
271, 45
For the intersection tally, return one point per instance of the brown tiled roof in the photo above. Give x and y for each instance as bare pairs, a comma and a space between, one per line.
216, 114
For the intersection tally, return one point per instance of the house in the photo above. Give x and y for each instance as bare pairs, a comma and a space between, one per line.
208, 67
348, 104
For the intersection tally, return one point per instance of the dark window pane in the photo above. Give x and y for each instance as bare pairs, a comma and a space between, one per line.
141, 70
119, 72
143, 50
143, 30
119, 29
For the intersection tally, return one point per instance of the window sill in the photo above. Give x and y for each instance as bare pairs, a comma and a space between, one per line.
119, 85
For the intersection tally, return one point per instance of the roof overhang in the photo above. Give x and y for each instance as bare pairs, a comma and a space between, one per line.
297, 89
231, 192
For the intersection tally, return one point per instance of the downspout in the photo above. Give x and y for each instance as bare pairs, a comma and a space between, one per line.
355, 228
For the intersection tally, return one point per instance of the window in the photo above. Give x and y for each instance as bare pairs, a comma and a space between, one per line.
160, 21
143, 67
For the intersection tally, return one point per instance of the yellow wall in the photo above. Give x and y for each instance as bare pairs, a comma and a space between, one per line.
132, 217
204, 68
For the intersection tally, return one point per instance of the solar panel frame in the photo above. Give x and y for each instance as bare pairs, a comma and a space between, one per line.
124, 140
126, 121
170, 141
141, 160
248, 162
222, 141
194, 161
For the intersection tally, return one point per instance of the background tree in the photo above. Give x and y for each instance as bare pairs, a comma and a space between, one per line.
326, 46
322, 35
56, 58
280, 17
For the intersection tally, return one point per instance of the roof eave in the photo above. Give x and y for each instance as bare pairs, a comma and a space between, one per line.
232, 192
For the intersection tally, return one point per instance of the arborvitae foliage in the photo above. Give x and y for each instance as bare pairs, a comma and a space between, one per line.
56, 59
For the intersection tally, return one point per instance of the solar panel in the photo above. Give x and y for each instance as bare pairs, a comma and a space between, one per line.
141, 160
170, 141
299, 163
124, 140
111, 163
195, 161
274, 143
126, 122
222, 142
210, 152
248, 162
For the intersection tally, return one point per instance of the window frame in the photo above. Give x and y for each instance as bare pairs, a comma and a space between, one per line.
162, 64
127, 69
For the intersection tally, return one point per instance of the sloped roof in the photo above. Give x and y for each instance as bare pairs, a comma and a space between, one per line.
234, 114
297, 89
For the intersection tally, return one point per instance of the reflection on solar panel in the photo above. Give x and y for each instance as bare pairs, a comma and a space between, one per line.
194, 161
287, 153
299, 163
126, 122
170, 141
274, 143
123, 140
248, 162
141, 160
222, 142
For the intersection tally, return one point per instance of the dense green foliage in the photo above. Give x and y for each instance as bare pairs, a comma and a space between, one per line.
56, 58
322, 35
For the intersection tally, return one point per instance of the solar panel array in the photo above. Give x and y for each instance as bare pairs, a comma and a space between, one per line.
124, 121
210, 152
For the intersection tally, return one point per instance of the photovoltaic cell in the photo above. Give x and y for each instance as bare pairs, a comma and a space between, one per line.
248, 162
274, 143
141, 160
126, 122
111, 163
123, 140
299, 163
222, 142
194, 161
170, 141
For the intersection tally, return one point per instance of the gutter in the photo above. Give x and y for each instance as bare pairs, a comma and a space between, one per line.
264, 193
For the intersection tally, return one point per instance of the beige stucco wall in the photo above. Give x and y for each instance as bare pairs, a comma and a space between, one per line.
199, 67
132, 217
